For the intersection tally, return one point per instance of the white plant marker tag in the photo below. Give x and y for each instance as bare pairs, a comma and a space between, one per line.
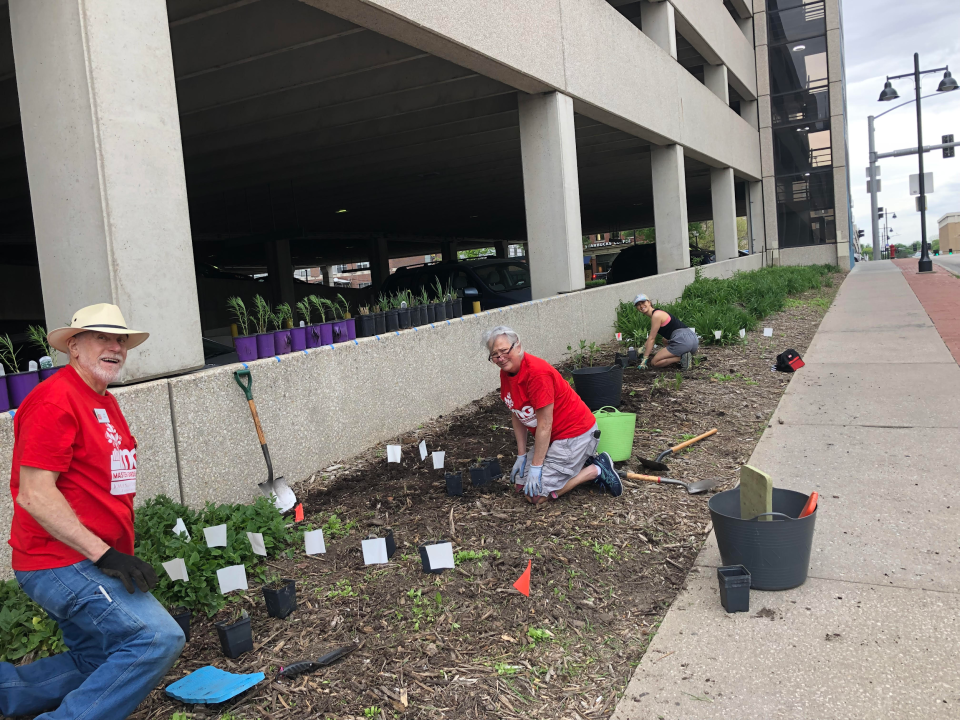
216, 536
717, 334
393, 453
423, 449
313, 542
619, 337
694, 331
375, 551
176, 569
438, 460
768, 332
232, 578
743, 333
440, 556
181, 529
256, 542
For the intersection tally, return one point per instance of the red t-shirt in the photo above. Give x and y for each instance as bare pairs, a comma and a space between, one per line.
537, 385
65, 426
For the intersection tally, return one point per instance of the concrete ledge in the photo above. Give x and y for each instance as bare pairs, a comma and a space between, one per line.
809, 255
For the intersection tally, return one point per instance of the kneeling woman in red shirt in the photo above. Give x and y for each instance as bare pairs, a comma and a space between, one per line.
545, 406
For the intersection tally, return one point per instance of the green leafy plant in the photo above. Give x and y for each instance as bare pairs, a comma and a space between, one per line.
462, 556
37, 335
438, 289
262, 315
371, 712
303, 307
504, 669
450, 290
24, 627
343, 306
281, 316
677, 381
336, 528
425, 609
539, 635
424, 297
318, 304
240, 315
583, 355
342, 589
8, 355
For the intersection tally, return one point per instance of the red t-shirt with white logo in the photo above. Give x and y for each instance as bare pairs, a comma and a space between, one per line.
65, 426
537, 385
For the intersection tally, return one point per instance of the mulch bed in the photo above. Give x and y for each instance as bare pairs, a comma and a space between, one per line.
465, 644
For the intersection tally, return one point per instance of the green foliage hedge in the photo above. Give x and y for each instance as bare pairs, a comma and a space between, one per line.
727, 305
25, 627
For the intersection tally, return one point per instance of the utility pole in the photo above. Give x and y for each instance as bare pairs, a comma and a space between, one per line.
926, 264
873, 180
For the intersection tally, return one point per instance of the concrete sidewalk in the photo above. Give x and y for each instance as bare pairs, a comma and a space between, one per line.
873, 425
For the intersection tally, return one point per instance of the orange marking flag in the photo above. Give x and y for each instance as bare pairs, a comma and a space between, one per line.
523, 584
298, 513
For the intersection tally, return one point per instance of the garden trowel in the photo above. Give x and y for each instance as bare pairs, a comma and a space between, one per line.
276, 489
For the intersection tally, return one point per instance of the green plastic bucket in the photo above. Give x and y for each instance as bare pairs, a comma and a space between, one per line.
616, 432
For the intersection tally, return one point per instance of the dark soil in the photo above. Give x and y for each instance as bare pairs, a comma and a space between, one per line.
466, 644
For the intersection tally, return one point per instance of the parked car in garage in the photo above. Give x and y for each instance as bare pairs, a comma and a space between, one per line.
641, 261
495, 282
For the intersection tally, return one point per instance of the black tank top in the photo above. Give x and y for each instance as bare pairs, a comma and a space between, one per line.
668, 329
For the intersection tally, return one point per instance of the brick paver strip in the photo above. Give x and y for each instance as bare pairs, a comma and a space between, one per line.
939, 293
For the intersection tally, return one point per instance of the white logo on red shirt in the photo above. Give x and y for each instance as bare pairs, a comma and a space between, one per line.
123, 465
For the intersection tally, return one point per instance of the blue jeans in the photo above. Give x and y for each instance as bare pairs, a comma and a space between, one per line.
120, 647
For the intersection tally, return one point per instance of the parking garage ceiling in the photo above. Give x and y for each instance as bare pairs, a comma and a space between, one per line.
299, 124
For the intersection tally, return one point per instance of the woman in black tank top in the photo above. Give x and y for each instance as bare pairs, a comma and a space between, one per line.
681, 340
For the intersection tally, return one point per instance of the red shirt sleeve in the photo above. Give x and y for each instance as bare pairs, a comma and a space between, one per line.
47, 435
540, 391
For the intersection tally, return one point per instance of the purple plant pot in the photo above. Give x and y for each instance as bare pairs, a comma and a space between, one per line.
326, 333
351, 329
4, 395
340, 331
281, 341
47, 373
19, 386
313, 336
265, 346
246, 347
298, 339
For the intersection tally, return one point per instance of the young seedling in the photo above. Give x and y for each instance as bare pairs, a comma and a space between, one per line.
37, 336
303, 307
262, 315
319, 306
8, 355
240, 314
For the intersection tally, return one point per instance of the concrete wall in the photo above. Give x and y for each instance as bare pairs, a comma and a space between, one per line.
809, 255
197, 441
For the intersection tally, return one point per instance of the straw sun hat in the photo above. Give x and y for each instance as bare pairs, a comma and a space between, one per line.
103, 317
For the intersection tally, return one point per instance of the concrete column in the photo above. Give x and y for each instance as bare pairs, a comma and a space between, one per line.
755, 214
101, 131
670, 208
502, 248
749, 111
548, 148
660, 24
723, 192
280, 272
449, 251
328, 275
715, 78
379, 259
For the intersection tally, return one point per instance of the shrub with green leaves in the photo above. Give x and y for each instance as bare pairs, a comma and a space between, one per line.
25, 627
157, 543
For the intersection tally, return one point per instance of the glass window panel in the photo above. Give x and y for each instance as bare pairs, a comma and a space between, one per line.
774, 5
801, 22
805, 106
805, 214
801, 148
800, 66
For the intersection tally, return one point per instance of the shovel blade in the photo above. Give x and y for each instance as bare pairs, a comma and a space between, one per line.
653, 464
701, 486
281, 494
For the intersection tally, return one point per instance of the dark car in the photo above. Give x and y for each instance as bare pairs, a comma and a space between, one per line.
495, 282
641, 261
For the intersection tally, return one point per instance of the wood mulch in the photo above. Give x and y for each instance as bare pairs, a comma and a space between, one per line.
465, 644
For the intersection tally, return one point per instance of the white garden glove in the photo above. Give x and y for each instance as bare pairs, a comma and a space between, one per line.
518, 467
534, 486
643, 364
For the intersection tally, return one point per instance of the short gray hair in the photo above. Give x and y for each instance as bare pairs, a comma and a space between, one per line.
490, 335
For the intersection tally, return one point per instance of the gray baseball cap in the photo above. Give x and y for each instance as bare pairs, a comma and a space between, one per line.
640, 298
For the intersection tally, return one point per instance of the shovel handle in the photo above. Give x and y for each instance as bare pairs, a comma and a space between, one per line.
648, 478
256, 421
248, 387
690, 442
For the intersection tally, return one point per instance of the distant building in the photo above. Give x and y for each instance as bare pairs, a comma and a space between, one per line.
949, 233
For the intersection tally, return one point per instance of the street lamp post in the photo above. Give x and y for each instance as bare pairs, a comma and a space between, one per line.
889, 93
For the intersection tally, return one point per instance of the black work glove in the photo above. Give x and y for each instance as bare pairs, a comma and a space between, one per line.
128, 569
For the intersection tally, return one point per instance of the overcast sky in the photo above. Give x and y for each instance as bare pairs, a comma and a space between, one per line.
881, 37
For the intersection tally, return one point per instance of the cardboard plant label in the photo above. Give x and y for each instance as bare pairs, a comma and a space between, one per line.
181, 529
393, 453
216, 536
768, 332
743, 333
256, 542
232, 578
176, 569
313, 542
440, 555
438, 460
375, 551
717, 334
423, 449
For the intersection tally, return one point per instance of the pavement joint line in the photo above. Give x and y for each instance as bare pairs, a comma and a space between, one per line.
875, 427
853, 582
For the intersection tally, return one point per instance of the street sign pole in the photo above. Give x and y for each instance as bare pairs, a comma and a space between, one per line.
925, 264
875, 222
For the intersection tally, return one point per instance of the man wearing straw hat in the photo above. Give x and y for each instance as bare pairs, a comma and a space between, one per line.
73, 481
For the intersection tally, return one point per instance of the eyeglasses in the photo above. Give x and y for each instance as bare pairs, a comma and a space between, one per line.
497, 355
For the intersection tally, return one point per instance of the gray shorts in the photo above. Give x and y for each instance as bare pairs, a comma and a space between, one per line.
565, 458
683, 340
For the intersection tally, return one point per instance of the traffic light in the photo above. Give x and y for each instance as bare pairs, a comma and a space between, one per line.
880, 213
948, 152
859, 234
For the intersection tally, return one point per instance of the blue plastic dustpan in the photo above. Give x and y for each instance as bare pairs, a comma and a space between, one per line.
211, 685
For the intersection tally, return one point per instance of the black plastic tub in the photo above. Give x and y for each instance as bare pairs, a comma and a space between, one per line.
775, 552
599, 386
734, 588
235, 638
283, 601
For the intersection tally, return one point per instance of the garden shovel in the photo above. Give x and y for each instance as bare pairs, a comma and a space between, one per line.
692, 488
276, 489
658, 464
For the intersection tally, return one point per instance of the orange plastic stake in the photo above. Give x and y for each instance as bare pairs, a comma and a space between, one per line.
810, 506
298, 513
523, 584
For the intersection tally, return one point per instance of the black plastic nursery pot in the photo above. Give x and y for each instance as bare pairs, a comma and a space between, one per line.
493, 469
599, 386
458, 307
393, 321
281, 601
425, 560
480, 477
776, 553
391, 543
366, 326
235, 638
734, 588
415, 316
380, 323
429, 313
448, 309
454, 483
403, 317
182, 616
440, 311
